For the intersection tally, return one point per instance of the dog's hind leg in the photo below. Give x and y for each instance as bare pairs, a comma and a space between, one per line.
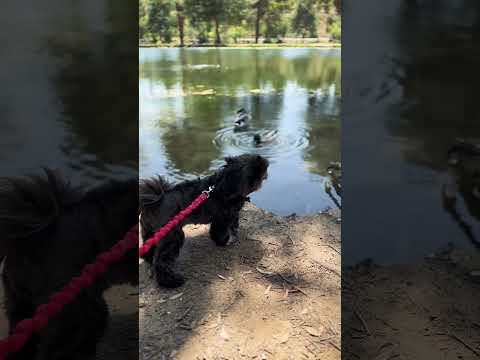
74, 335
166, 252
15, 313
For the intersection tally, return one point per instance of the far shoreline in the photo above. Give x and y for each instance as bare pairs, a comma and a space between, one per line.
325, 45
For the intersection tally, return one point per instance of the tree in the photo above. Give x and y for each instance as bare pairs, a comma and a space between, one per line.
273, 13
160, 19
142, 19
304, 22
180, 10
214, 11
260, 7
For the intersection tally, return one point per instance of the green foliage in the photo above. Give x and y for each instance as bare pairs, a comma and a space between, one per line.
160, 19
304, 22
276, 24
208, 21
336, 28
236, 32
216, 12
142, 18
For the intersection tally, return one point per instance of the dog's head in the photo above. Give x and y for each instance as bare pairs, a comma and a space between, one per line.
242, 175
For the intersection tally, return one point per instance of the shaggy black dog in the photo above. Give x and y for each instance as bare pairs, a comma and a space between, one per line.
160, 201
49, 231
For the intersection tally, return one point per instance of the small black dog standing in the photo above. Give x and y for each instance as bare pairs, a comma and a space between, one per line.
48, 232
160, 201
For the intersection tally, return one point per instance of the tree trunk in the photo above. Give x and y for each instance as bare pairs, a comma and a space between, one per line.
338, 6
181, 32
257, 25
218, 40
181, 23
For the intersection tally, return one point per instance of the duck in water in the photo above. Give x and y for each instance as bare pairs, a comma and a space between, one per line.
267, 138
462, 152
242, 119
257, 140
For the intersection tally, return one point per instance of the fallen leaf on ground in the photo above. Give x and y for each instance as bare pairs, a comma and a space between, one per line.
176, 296
264, 272
312, 331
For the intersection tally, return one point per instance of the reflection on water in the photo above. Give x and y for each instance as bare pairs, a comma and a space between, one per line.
63, 88
417, 98
188, 101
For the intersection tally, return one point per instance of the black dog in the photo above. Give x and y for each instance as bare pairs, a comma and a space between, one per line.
160, 201
49, 231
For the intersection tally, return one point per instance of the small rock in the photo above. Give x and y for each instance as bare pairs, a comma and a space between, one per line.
224, 335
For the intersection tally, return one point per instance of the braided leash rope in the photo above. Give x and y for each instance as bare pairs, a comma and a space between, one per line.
174, 222
25, 328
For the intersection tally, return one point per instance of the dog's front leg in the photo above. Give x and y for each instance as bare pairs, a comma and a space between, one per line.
224, 230
166, 252
234, 227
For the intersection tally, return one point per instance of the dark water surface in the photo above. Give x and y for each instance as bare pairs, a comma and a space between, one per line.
409, 92
188, 99
63, 102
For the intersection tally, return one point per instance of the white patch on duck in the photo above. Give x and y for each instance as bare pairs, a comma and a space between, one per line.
242, 119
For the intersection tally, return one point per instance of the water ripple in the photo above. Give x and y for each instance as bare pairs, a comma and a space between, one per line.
274, 143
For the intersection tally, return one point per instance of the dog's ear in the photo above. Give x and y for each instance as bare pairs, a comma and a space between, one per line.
232, 181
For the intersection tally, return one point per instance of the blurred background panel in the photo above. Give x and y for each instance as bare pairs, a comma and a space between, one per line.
68, 101
410, 227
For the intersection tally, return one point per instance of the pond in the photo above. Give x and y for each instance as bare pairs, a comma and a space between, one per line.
410, 96
188, 101
66, 103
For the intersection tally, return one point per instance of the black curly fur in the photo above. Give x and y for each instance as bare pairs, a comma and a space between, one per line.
49, 231
160, 201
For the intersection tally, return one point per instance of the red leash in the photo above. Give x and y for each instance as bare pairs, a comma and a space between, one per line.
25, 328
174, 222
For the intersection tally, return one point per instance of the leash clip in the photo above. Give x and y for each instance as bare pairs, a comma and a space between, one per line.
207, 192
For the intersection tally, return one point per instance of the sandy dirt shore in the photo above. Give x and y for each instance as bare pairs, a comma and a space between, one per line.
275, 294
430, 310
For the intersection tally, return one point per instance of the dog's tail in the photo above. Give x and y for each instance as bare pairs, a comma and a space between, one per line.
28, 206
152, 191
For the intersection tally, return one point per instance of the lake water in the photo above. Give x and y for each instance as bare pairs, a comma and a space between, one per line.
65, 102
409, 93
188, 100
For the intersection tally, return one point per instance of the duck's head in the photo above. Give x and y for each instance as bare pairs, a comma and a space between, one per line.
241, 111
257, 139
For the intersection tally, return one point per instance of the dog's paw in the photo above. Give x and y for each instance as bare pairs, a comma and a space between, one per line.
169, 279
232, 239
171, 282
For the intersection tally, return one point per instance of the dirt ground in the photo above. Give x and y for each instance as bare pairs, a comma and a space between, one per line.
274, 294
425, 311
